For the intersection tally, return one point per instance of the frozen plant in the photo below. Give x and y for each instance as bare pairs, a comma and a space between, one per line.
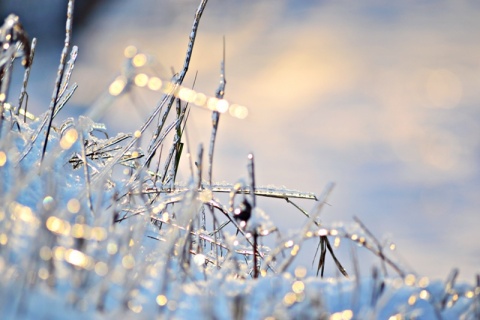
93, 226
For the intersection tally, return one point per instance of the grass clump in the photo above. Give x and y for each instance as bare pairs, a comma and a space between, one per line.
99, 225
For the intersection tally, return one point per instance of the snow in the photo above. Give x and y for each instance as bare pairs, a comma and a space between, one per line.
60, 258
86, 231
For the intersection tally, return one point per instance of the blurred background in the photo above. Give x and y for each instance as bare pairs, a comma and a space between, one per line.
380, 97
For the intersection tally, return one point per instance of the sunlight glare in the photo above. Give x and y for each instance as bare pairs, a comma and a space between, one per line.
3, 158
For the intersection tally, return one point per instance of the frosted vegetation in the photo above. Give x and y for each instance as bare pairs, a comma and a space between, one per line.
93, 226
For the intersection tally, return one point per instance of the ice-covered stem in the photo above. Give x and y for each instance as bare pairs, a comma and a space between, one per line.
13, 39
177, 146
26, 77
219, 94
181, 76
381, 255
255, 259
251, 173
191, 41
60, 73
215, 119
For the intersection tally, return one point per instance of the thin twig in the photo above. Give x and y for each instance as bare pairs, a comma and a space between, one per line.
179, 80
60, 72
26, 77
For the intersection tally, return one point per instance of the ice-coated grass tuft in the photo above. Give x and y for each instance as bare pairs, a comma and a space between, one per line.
97, 227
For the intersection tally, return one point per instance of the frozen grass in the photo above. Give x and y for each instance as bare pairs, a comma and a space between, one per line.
92, 226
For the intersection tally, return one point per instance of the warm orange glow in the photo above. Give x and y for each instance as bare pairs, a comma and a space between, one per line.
141, 80
238, 111
3, 158
128, 261
101, 269
130, 51
300, 272
73, 206
139, 60
222, 106
161, 300
298, 287
58, 226
117, 86
68, 139
154, 84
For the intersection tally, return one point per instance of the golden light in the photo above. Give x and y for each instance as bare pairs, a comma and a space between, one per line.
200, 99
222, 106
212, 104
336, 242
290, 298
112, 248
58, 253
298, 287
45, 253
322, 232
206, 195
80, 231
410, 280
23, 213
165, 216
295, 250
43, 274
424, 295
300, 272
77, 258
141, 80
423, 282
169, 88
3, 158
154, 83
342, 315
187, 95
130, 51
3, 239
161, 300
139, 60
68, 139
99, 234
58, 226
199, 259
101, 269
73, 206
237, 111
117, 86
128, 262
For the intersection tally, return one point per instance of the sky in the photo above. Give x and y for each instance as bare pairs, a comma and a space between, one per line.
379, 97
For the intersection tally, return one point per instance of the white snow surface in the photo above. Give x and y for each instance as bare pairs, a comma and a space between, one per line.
62, 256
